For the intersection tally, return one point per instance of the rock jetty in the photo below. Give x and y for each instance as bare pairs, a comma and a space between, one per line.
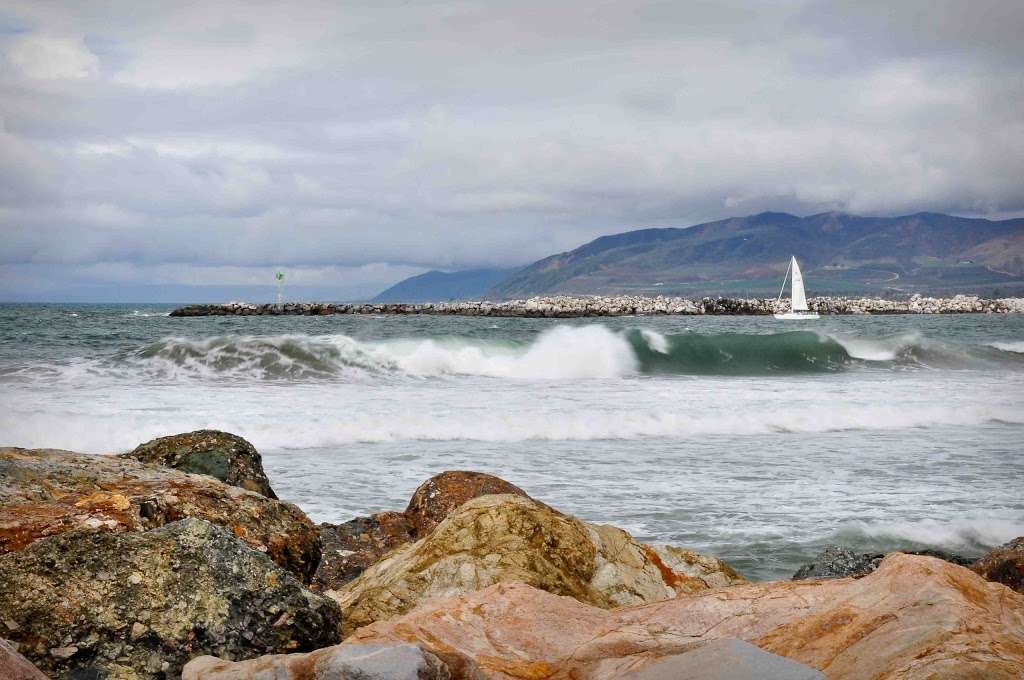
566, 306
181, 564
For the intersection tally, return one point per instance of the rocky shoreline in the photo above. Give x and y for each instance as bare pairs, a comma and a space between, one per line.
177, 560
565, 306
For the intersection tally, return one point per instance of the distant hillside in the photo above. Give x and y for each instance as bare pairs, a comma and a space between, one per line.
437, 286
839, 254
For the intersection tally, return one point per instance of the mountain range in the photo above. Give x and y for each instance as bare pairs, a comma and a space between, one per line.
435, 286
839, 254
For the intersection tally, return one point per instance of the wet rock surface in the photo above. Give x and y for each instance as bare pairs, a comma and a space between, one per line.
914, 618
350, 548
396, 661
13, 666
502, 538
1004, 564
566, 306
45, 492
220, 455
141, 604
837, 561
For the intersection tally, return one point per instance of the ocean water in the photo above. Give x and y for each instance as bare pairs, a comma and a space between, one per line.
748, 438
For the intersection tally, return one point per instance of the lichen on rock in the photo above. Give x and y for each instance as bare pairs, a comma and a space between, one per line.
45, 492
501, 538
220, 455
351, 547
138, 605
1004, 564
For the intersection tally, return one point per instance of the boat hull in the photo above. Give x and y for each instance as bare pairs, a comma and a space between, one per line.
793, 316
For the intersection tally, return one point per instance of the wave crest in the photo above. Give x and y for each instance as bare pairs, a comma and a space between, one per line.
565, 352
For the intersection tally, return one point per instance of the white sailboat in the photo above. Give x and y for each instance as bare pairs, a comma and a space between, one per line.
798, 301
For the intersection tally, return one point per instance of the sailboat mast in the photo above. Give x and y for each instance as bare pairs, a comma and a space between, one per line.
784, 279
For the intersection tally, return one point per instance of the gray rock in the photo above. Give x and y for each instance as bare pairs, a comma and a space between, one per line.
139, 605
726, 659
220, 455
837, 561
341, 662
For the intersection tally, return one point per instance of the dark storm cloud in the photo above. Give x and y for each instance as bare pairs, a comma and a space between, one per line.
207, 144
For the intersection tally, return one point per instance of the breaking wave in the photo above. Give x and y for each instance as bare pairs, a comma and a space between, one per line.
970, 536
560, 353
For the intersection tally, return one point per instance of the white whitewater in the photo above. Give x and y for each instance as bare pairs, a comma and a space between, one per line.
798, 300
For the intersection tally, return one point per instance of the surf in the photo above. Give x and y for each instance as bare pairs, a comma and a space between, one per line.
558, 353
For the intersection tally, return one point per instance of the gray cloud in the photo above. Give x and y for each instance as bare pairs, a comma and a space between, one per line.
220, 140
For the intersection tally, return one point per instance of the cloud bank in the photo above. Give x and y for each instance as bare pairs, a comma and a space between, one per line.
353, 144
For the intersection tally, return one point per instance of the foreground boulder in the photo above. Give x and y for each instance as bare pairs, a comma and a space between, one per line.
1004, 564
503, 538
220, 455
915, 618
837, 561
44, 492
351, 662
141, 604
723, 659
351, 547
13, 666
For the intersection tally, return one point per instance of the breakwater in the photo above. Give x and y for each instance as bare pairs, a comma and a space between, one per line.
565, 306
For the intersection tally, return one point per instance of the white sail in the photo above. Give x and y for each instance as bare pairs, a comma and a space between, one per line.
799, 298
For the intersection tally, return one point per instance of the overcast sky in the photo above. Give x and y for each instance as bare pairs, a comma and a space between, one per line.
168, 150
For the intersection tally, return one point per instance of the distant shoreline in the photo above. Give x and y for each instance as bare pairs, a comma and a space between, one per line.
564, 306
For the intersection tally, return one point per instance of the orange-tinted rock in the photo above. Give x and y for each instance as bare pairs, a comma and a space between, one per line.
45, 492
351, 547
351, 662
1004, 565
220, 455
435, 498
915, 618
13, 666
502, 538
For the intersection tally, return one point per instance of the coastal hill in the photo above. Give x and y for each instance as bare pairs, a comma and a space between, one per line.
435, 285
840, 254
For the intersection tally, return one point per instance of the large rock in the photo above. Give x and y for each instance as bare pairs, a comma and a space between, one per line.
915, 618
13, 666
220, 455
725, 659
1004, 564
502, 538
349, 662
139, 605
837, 561
436, 498
45, 492
351, 547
